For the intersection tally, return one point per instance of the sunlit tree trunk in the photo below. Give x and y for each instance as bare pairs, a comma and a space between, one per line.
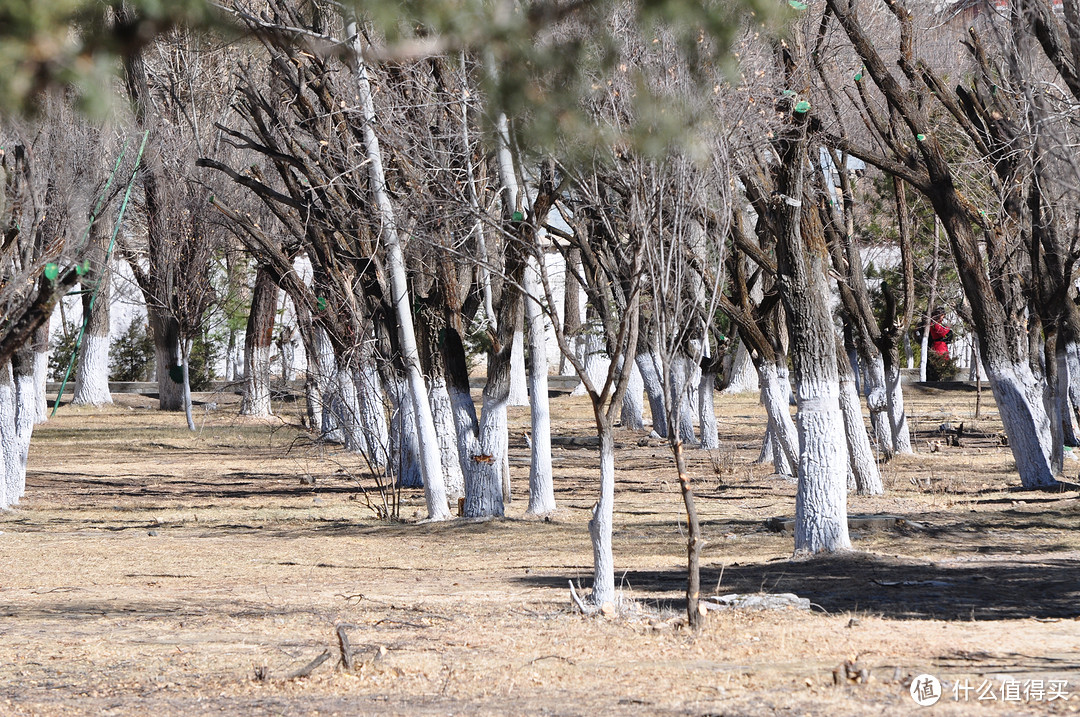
257, 343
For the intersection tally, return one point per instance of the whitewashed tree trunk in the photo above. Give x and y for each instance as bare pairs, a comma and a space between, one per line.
897, 417
595, 357
484, 492
519, 389
318, 386
877, 401
185, 365
744, 377
404, 442
781, 434
682, 386
710, 436
647, 364
371, 412
1019, 397
632, 414
431, 468
342, 413
92, 379
541, 487
22, 369
258, 340
9, 485
861, 464
41, 370
600, 525
1072, 359
442, 412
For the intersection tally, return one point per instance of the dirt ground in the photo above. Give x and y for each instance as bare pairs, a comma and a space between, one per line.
150, 570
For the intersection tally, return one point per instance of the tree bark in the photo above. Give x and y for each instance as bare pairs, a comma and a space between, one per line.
861, 462
541, 487
92, 379
647, 364
41, 370
258, 340
9, 486
632, 415
168, 360
781, 431
600, 524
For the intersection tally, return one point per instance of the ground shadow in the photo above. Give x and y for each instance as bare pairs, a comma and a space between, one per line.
893, 587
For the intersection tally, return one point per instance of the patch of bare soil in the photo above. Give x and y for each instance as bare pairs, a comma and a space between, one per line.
150, 570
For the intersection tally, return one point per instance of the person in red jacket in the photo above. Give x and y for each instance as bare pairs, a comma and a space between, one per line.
940, 334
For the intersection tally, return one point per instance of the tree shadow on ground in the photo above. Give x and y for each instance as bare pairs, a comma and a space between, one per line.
893, 587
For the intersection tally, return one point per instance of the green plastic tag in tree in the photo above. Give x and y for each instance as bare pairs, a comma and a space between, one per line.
517, 217
82, 269
920, 137
858, 77
51, 271
802, 108
320, 304
788, 93
176, 373
797, 5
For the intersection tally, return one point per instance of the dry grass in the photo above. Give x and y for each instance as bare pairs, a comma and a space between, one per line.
154, 571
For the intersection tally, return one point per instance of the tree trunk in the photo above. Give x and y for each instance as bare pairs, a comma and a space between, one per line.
466, 426
22, 370
571, 303
600, 525
647, 364
41, 371
404, 442
781, 432
1019, 397
743, 377
519, 390
861, 463
442, 412
92, 379
370, 434
541, 487
682, 386
821, 498
258, 340
894, 409
632, 415
168, 360
710, 436
434, 487
9, 486
185, 363
694, 542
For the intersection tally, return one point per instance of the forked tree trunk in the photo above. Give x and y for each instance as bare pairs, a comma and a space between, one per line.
541, 487
258, 340
434, 486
